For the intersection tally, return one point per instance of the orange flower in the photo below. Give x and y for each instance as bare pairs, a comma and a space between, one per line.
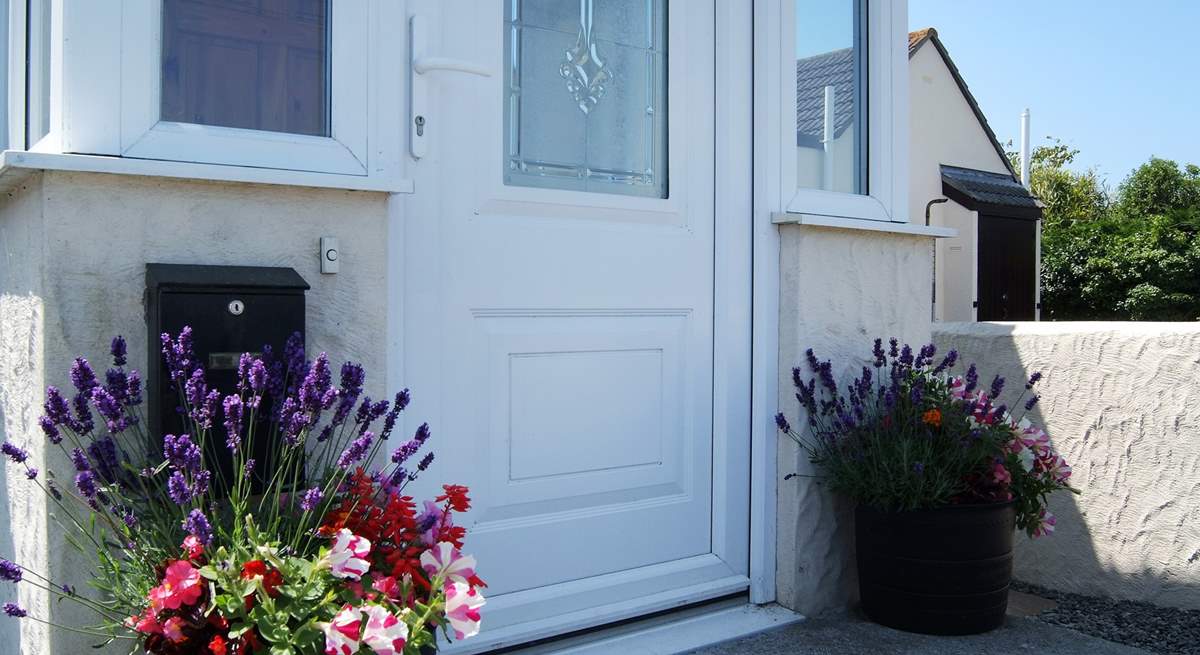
932, 417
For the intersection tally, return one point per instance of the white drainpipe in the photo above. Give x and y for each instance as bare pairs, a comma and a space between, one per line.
1025, 166
827, 138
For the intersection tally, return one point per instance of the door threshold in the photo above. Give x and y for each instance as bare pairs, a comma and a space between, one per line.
669, 633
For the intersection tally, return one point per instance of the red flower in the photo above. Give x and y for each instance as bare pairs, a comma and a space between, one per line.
258, 569
455, 497
217, 645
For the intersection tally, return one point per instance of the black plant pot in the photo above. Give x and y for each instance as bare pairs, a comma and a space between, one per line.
941, 571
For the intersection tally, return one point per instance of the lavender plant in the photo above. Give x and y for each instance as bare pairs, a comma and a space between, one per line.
906, 434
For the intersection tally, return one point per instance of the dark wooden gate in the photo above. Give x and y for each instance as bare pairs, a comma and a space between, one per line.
1007, 269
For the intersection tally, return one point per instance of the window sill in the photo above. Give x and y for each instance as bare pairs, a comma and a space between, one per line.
16, 164
862, 224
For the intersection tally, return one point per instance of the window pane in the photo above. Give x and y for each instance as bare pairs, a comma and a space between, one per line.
586, 92
255, 64
831, 135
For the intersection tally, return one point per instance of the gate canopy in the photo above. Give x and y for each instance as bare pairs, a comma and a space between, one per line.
996, 194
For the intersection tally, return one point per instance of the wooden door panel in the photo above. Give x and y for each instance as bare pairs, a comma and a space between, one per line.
1007, 269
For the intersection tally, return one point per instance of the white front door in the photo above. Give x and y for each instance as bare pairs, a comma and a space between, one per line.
559, 303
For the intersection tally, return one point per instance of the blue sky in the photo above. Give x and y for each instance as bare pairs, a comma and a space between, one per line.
1118, 80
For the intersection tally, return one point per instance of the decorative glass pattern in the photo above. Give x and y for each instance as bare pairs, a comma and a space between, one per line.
586, 95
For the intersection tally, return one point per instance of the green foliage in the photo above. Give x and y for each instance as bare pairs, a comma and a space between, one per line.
1135, 256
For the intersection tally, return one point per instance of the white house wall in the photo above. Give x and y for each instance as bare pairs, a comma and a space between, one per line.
839, 290
73, 276
945, 130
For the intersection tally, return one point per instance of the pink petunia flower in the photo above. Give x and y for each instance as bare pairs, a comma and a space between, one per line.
462, 609
384, 632
145, 623
1045, 526
445, 560
173, 629
192, 547
181, 585
387, 586
1001, 474
347, 558
343, 633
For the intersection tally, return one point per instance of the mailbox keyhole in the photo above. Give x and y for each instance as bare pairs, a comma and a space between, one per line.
236, 307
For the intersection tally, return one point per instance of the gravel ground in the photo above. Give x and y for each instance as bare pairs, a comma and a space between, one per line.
1142, 625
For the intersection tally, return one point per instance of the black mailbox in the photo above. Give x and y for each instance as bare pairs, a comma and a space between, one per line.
232, 310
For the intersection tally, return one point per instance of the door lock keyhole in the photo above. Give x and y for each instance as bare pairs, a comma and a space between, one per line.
420, 123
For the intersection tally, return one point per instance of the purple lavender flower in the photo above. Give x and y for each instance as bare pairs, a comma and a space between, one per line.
50, 430
293, 356
104, 453
425, 462
179, 354
181, 453
80, 460
1031, 402
129, 519
405, 451
919, 468
118, 350
1033, 379
310, 499
201, 483
877, 351
906, 356
82, 424
68, 589
233, 422
14, 610
10, 571
925, 355
31, 473
56, 407
349, 391
355, 451
249, 467
893, 347
82, 376
782, 422
316, 384
85, 481
110, 410
196, 524
178, 489
947, 362
258, 377
133, 394
997, 386
972, 379
15, 453
117, 384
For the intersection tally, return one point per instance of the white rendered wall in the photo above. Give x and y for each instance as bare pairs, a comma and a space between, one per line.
944, 130
75, 247
839, 290
1121, 401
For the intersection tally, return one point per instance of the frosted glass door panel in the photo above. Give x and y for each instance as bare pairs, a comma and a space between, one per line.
586, 87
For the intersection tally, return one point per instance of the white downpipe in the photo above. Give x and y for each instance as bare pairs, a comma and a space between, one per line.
1025, 148
1025, 168
827, 138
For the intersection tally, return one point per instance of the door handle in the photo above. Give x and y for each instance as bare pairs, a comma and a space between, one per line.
418, 83
423, 65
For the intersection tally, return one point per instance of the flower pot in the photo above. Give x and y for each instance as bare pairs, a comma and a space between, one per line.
942, 571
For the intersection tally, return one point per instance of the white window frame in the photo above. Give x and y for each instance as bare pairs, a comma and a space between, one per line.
109, 74
886, 197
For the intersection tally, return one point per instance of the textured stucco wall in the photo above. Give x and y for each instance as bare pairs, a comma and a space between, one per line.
1121, 401
76, 246
839, 290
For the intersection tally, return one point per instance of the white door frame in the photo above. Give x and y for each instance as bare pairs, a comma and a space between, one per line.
745, 316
